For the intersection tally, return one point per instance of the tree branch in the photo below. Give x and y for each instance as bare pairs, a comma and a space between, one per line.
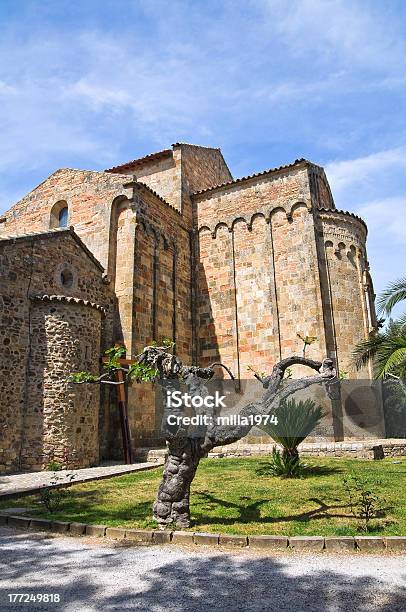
223, 435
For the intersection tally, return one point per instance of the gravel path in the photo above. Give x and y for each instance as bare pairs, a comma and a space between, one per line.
93, 575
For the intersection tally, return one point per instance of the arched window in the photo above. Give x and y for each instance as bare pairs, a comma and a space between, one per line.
63, 217
66, 278
59, 215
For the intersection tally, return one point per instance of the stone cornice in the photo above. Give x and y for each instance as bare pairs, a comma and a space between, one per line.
298, 163
69, 300
326, 213
249, 218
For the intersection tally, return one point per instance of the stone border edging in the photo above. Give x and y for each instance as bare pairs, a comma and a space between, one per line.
266, 543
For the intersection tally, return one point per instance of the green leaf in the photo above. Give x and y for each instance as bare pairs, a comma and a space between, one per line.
81, 377
395, 293
295, 421
142, 373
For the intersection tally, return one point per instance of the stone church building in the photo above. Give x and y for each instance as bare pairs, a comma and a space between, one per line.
168, 245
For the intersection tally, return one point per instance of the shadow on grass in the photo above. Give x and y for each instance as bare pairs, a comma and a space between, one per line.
86, 511
251, 513
307, 471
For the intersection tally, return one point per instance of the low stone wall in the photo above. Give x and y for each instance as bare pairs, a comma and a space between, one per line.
361, 449
357, 449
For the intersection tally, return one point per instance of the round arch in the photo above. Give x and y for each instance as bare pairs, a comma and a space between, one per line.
59, 216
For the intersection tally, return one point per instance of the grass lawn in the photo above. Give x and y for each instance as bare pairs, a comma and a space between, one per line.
232, 496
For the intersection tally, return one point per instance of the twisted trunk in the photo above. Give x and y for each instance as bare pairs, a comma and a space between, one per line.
172, 501
171, 506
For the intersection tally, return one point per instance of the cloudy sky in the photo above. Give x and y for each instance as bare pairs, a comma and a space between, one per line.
91, 83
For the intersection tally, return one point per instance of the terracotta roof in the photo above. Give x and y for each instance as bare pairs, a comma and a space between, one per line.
68, 300
344, 212
189, 144
251, 176
140, 161
153, 156
50, 233
42, 233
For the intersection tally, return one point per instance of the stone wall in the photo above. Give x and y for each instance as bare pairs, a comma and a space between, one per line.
202, 168
164, 176
89, 196
348, 292
160, 296
60, 421
230, 270
34, 267
259, 281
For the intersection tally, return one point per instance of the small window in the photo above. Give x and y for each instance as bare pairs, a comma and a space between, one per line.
66, 278
63, 217
59, 215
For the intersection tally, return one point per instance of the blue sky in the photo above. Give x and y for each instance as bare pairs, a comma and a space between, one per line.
91, 84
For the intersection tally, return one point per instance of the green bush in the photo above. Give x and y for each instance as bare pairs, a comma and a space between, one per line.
365, 504
283, 465
293, 423
54, 466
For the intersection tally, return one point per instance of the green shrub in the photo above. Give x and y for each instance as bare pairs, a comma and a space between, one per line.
283, 465
365, 504
53, 495
54, 466
293, 423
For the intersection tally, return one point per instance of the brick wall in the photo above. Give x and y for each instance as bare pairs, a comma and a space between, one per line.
259, 281
89, 196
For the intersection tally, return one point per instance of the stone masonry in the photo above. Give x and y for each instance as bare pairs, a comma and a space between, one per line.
169, 245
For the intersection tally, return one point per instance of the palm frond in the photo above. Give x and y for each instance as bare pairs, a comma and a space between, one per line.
296, 420
386, 350
366, 351
396, 360
401, 321
395, 293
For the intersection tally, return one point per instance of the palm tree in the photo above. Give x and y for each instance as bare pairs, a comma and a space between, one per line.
395, 293
387, 347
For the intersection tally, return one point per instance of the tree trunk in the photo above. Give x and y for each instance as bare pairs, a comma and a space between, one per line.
171, 506
172, 501
291, 453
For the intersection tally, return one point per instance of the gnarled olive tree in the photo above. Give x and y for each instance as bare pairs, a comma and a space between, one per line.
184, 453
171, 506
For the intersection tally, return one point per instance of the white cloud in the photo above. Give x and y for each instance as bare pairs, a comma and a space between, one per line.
386, 216
347, 173
6, 89
338, 31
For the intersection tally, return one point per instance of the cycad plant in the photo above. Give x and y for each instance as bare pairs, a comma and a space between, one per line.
386, 349
294, 421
